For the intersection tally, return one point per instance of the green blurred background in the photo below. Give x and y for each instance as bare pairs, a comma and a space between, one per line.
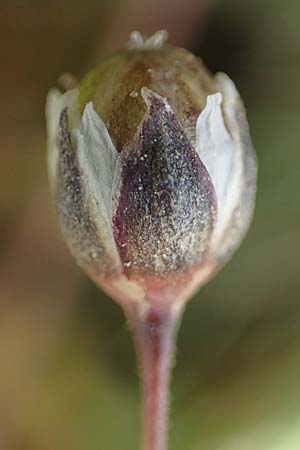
68, 379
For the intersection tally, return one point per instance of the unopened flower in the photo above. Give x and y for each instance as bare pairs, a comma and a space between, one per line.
154, 177
152, 171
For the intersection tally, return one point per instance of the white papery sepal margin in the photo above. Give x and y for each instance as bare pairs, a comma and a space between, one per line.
82, 167
224, 146
55, 103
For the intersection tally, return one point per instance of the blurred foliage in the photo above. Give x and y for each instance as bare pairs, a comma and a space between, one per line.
68, 376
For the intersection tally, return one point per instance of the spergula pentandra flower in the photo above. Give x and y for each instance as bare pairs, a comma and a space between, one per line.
154, 176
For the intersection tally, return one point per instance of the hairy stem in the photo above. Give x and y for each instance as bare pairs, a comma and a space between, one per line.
155, 335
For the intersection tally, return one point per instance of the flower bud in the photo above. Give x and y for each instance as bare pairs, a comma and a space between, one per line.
152, 171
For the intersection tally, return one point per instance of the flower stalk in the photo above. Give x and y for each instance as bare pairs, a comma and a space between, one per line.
155, 340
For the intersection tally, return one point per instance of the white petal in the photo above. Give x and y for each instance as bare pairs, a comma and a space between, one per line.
224, 146
139, 42
97, 160
157, 40
55, 103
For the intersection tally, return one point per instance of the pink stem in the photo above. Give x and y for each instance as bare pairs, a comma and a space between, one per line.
154, 335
